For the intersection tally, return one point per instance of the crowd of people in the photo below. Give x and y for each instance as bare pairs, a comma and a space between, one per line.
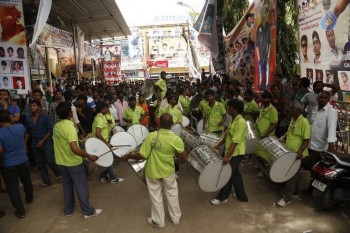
48, 126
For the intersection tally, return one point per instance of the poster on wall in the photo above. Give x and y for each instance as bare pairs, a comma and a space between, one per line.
132, 51
14, 71
111, 72
324, 43
240, 49
54, 37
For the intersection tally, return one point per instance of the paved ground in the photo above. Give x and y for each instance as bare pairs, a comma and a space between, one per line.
126, 207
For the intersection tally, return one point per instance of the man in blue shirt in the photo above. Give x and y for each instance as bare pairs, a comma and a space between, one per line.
5, 104
39, 128
15, 162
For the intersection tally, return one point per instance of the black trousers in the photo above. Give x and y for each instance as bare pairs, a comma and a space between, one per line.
235, 180
308, 161
11, 176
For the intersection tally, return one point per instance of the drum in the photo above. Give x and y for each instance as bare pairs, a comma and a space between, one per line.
228, 120
139, 131
208, 139
176, 128
123, 143
253, 138
283, 162
191, 141
200, 127
95, 146
138, 166
185, 121
117, 129
212, 174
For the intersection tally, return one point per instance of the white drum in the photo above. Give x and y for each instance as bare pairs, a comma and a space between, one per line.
176, 128
200, 127
283, 162
139, 131
117, 129
95, 146
185, 121
228, 120
191, 141
212, 174
253, 138
123, 143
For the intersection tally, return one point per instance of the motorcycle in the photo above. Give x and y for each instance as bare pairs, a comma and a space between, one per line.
332, 180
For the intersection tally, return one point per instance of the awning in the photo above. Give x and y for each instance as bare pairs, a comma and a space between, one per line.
97, 18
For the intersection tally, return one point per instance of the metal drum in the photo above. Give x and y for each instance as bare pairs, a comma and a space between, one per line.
191, 141
208, 165
138, 166
176, 128
185, 121
95, 146
200, 127
253, 138
208, 139
117, 129
283, 162
123, 143
139, 131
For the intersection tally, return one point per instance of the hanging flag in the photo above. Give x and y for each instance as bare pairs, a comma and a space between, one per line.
43, 15
81, 50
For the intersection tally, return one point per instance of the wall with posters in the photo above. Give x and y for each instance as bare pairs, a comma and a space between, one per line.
14, 71
324, 43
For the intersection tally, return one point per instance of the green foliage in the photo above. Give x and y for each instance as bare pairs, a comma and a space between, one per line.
233, 11
287, 31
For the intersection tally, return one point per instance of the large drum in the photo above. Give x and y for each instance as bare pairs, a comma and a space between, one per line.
176, 128
138, 166
185, 121
208, 139
95, 146
117, 129
123, 143
283, 162
212, 174
191, 141
253, 138
139, 131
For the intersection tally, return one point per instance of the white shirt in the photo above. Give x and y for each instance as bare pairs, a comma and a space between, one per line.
323, 128
114, 111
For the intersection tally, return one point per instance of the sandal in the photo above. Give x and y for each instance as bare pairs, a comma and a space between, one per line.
42, 186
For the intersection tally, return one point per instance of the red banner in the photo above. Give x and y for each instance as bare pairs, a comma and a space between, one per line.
157, 64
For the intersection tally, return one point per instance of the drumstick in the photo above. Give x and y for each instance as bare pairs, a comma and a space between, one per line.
219, 176
120, 146
103, 154
290, 167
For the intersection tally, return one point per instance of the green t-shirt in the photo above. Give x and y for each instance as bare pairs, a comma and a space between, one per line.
250, 107
174, 112
185, 103
101, 122
160, 159
162, 85
237, 133
267, 116
63, 134
133, 115
202, 106
298, 131
214, 116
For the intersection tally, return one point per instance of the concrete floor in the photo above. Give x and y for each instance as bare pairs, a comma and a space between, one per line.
126, 207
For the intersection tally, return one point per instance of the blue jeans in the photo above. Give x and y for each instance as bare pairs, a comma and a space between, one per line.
235, 180
263, 69
75, 178
45, 156
11, 175
109, 172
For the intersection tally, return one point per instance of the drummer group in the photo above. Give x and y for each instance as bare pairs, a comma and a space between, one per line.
160, 147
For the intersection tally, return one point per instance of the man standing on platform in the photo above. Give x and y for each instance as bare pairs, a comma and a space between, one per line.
159, 149
161, 83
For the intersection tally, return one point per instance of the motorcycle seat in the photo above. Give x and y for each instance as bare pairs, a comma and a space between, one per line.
344, 159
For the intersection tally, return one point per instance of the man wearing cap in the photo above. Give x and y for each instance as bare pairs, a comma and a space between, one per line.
161, 83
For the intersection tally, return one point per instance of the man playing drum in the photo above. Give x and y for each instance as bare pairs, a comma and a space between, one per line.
214, 113
266, 124
172, 109
251, 108
298, 136
235, 144
133, 114
159, 148
184, 101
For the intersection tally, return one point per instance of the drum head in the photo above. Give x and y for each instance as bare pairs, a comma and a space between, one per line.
185, 121
118, 129
228, 120
212, 178
176, 129
200, 127
125, 139
140, 132
284, 168
95, 146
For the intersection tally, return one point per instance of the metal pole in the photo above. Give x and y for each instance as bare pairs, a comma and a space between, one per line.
93, 70
48, 70
75, 52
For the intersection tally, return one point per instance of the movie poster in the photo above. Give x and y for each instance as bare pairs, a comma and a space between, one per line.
110, 66
14, 71
324, 43
132, 51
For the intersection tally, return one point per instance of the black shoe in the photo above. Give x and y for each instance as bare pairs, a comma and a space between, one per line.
19, 215
29, 200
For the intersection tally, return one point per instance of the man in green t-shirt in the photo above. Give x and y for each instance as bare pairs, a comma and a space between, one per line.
298, 137
68, 157
214, 113
159, 149
235, 145
133, 114
251, 108
161, 84
184, 101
